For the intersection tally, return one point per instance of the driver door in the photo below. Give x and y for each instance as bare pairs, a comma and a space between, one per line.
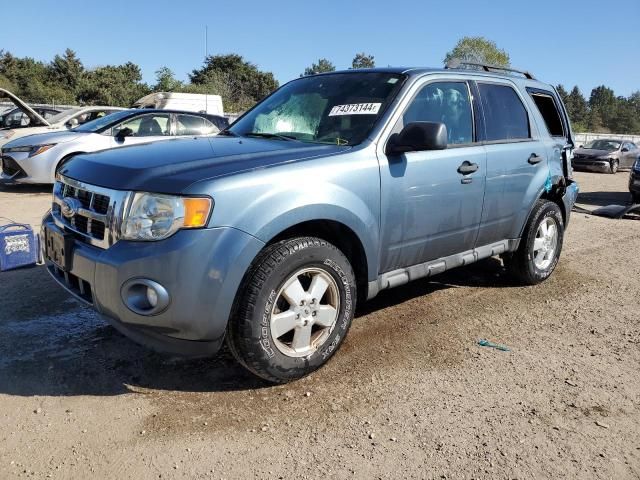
145, 128
429, 209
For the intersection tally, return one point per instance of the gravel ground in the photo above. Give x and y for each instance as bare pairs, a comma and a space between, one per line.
410, 394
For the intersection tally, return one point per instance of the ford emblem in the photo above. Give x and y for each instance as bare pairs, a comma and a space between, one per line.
70, 206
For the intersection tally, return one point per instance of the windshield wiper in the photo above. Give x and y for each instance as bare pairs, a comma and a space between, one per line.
288, 138
228, 133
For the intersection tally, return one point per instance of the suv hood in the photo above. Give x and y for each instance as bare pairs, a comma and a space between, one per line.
35, 118
170, 166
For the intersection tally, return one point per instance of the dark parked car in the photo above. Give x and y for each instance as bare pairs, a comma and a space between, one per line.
606, 155
634, 182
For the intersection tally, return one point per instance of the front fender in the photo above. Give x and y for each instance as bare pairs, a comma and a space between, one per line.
280, 209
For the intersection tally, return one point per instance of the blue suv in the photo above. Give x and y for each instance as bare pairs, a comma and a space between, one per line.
333, 188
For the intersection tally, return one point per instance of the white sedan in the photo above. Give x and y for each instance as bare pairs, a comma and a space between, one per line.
35, 158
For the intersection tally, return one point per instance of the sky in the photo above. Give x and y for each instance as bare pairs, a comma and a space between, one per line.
572, 42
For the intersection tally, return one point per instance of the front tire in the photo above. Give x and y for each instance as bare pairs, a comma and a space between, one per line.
293, 310
540, 246
613, 167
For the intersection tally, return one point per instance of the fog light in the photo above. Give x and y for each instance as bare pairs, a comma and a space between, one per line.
152, 297
144, 296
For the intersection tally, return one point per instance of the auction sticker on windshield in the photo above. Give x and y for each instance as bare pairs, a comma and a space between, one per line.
355, 109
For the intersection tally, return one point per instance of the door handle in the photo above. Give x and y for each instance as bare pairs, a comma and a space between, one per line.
534, 158
467, 167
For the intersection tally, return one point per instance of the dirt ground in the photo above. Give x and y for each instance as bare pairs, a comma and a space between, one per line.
409, 395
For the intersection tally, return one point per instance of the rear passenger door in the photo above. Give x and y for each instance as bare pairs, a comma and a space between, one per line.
516, 161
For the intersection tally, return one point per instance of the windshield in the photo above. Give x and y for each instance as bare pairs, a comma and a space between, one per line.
103, 122
339, 109
608, 145
64, 115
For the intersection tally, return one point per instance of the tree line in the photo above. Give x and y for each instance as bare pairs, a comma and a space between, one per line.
65, 80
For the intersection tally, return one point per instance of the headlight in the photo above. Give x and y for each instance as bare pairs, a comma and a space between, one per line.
154, 216
32, 149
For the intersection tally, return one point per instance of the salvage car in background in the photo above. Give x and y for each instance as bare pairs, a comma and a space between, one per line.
634, 182
37, 123
606, 155
35, 159
14, 117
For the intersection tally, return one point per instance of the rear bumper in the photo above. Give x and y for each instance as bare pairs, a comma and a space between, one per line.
569, 199
200, 269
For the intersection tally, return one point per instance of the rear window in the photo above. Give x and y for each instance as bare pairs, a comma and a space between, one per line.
505, 116
549, 111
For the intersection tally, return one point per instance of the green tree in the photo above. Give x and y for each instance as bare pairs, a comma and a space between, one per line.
604, 102
362, 60
322, 66
239, 82
478, 50
578, 109
67, 70
117, 85
166, 81
564, 95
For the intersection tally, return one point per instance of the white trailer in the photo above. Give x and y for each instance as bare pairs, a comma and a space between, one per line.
192, 102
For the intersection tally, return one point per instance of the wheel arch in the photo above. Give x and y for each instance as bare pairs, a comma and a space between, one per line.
341, 236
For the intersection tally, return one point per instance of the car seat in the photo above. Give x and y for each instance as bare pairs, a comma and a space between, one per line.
149, 127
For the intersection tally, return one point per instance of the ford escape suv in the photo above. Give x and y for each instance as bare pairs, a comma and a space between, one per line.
333, 188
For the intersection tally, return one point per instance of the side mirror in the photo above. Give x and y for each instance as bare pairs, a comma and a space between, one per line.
581, 146
72, 123
418, 136
624, 150
122, 134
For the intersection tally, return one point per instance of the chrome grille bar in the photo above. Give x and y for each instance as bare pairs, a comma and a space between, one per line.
88, 222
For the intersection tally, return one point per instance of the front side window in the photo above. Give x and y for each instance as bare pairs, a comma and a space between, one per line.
157, 125
339, 109
505, 116
444, 102
192, 125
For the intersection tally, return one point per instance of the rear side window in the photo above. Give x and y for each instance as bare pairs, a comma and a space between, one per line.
549, 111
504, 114
192, 125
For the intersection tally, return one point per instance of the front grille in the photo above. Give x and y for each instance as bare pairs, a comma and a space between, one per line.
96, 218
79, 287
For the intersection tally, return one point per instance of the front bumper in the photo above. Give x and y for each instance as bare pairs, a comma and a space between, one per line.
21, 168
591, 165
201, 269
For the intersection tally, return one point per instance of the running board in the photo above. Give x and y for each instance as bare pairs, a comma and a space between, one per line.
433, 267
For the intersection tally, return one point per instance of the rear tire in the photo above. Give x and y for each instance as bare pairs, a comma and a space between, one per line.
293, 309
540, 246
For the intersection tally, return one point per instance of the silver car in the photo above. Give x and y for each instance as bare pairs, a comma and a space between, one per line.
35, 158
606, 155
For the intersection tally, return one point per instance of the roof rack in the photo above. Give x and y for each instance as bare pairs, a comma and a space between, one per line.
456, 63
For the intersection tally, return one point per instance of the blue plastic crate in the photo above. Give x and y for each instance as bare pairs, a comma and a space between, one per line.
19, 246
